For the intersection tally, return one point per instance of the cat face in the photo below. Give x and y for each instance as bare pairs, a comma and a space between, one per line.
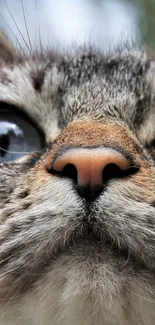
70, 253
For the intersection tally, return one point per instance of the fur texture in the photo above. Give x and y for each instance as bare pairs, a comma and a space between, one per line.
64, 260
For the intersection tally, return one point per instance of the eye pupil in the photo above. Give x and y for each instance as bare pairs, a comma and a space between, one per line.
4, 144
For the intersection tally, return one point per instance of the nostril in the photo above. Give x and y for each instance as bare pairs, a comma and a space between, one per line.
70, 171
113, 171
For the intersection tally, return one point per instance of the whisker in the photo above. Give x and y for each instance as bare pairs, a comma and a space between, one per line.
17, 26
38, 24
26, 27
2, 276
42, 48
19, 152
144, 298
12, 33
5, 259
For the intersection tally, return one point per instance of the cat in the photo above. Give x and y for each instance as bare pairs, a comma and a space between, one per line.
77, 189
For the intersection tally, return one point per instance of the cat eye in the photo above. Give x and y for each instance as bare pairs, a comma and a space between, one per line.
18, 136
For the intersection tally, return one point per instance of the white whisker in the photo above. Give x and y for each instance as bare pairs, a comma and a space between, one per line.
19, 152
17, 26
26, 27
21, 48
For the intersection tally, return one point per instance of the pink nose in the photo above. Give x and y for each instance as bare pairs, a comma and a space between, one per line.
90, 168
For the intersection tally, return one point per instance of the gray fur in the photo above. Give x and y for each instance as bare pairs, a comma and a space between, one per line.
62, 260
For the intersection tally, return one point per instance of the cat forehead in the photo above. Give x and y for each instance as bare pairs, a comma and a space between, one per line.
84, 84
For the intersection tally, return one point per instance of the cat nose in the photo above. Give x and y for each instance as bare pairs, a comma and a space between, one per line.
90, 169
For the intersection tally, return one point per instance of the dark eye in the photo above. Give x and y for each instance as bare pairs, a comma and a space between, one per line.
18, 136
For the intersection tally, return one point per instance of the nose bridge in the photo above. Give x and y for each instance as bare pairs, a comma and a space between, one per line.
90, 162
90, 134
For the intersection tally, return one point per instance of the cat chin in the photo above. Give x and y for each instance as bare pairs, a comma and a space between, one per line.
76, 291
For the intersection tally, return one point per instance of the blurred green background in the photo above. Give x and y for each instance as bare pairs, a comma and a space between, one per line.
146, 21
105, 23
